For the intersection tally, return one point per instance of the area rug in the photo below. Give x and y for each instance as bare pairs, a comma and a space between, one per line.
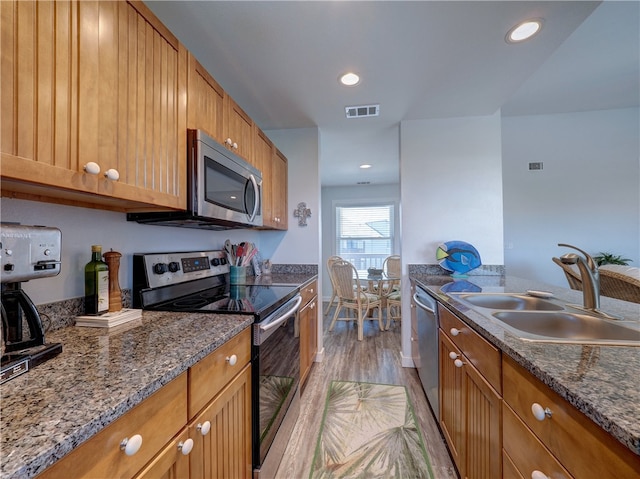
369, 431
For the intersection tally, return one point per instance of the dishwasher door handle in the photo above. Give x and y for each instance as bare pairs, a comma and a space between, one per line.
422, 305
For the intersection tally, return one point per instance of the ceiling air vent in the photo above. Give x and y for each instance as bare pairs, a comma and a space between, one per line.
362, 111
363, 183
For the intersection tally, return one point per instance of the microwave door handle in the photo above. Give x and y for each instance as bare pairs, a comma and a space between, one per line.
256, 203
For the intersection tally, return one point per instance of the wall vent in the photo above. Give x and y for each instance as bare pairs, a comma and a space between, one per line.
363, 183
362, 111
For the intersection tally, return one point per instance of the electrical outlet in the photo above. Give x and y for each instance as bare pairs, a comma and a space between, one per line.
535, 166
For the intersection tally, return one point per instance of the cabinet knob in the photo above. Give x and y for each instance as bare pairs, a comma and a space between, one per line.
235, 145
131, 445
454, 355
92, 168
232, 360
112, 174
185, 447
228, 142
204, 428
458, 363
539, 475
539, 412
454, 331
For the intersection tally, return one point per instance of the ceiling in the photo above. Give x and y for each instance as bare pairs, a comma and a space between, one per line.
280, 61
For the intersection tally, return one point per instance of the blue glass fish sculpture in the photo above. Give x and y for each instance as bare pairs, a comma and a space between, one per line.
458, 257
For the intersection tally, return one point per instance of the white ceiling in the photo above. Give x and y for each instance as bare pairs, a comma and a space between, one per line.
419, 59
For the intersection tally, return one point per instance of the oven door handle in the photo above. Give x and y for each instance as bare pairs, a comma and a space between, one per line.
283, 318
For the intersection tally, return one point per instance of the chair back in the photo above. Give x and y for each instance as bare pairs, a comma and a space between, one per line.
345, 276
573, 277
620, 283
392, 266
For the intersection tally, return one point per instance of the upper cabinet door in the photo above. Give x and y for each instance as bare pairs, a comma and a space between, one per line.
238, 131
101, 82
205, 101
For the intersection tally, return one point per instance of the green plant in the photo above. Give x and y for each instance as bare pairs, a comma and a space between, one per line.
609, 258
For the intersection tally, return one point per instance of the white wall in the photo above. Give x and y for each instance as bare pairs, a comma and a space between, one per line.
82, 227
587, 194
451, 189
357, 194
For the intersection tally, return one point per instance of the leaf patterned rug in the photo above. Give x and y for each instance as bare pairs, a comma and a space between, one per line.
369, 431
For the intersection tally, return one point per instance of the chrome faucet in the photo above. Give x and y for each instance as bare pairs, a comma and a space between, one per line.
588, 274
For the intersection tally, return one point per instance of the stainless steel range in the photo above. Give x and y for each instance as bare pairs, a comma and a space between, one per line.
198, 281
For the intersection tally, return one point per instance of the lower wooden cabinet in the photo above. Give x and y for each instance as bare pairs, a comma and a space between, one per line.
308, 329
222, 433
565, 439
172, 462
153, 423
196, 427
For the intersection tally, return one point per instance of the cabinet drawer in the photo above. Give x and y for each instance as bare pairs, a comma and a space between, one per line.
478, 351
308, 291
207, 377
157, 419
524, 449
582, 447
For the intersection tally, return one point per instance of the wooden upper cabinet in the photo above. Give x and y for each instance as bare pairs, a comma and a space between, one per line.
238, 130
280, 178
101, 82
205, 101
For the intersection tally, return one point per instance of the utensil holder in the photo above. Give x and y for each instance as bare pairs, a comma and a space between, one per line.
238, 275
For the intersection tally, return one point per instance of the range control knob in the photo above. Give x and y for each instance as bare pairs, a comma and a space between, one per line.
215, 261
160, 268
223, 261
174, 266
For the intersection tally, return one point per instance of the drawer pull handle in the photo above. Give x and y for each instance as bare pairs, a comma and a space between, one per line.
539, 412
539, 475
185, 447
454, 331
454, 355
458, 363
92, 168
204, 428
131, 445
232, 360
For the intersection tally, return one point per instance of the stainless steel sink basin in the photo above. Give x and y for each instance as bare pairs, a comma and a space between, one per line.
508, 301
567, 327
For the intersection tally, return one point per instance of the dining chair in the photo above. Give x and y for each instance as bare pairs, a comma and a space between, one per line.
391, 288
352, 297
330, 261
571, 273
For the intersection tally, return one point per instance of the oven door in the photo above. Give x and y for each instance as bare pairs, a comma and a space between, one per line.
228, 188
276, 379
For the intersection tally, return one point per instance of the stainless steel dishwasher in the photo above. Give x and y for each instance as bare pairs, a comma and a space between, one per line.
427, 322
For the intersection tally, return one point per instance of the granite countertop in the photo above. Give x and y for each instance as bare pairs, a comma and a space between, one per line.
600, 381
100, 375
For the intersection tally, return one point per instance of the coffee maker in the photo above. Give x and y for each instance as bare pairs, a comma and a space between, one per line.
26, 253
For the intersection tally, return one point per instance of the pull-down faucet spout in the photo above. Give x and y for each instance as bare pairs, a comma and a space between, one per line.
588, 274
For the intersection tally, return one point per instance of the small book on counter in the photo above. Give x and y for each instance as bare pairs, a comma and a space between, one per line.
109, 320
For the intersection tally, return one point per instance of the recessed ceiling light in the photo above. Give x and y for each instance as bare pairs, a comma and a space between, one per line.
523, 31
365, 166
350, 79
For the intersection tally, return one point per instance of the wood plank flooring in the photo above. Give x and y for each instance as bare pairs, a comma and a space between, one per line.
375, 359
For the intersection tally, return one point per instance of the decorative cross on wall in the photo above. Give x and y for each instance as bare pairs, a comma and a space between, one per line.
302, 213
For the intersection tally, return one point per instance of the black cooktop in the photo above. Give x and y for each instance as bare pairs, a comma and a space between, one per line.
258, 300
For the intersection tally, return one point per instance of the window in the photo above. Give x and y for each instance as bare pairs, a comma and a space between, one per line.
364, 234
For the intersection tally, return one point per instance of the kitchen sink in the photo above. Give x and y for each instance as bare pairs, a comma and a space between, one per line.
508, 301
568, 327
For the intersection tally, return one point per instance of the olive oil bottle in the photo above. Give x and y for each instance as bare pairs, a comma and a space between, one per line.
96, 283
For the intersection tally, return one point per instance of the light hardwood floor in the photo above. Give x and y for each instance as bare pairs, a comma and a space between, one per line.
375, 359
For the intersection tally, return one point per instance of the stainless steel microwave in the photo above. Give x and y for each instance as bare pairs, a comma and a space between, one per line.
223, 190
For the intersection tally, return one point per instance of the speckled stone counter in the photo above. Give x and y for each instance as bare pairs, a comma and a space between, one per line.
99, 376
600, 381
